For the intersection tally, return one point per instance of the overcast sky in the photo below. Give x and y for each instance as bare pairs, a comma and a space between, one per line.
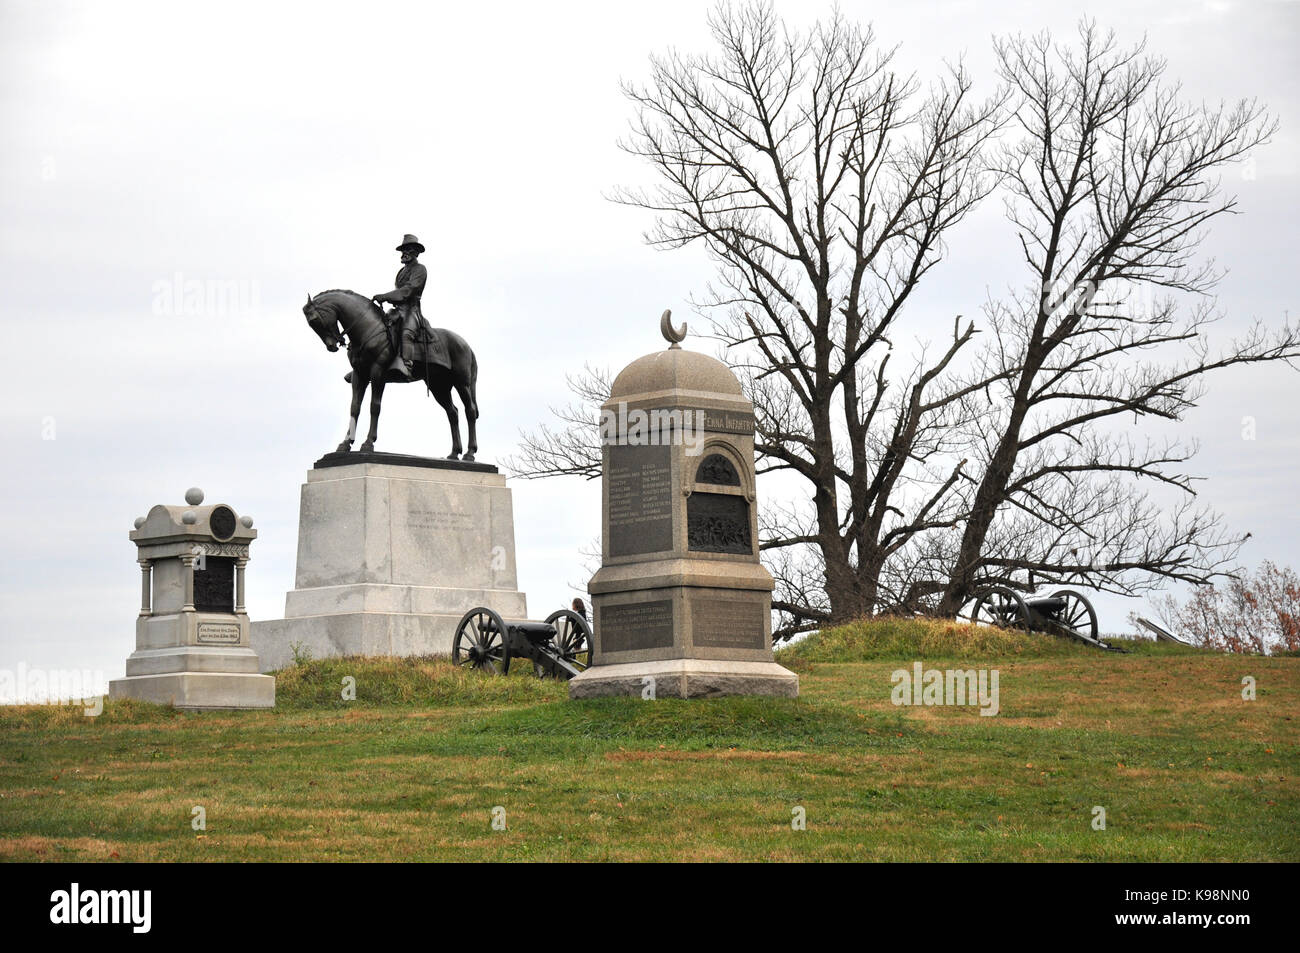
277, 149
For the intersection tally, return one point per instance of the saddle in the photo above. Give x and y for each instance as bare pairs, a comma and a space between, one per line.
427, 344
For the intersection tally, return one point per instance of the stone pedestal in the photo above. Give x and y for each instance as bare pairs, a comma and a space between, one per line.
685, 678
682, 605
392, 551
192, 644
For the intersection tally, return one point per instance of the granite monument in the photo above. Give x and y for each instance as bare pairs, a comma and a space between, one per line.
192, 640
682, 604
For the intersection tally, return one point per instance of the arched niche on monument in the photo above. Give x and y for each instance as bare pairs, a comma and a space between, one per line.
719, 511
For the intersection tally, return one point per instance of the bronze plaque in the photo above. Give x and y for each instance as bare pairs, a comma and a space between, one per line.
727, 624
718, 523
214, 585
717, 469
640, 625
640, 500
222, 522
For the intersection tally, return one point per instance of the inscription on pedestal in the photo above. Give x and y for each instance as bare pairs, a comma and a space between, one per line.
629, 628
640, 500
219, 633
727, 421
447, 521
727, 624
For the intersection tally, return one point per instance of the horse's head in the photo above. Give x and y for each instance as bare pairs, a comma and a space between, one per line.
324, 321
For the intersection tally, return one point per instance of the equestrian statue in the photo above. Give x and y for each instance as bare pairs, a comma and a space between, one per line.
397, 347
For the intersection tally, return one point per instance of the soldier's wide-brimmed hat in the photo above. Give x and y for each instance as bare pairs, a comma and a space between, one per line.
410, 241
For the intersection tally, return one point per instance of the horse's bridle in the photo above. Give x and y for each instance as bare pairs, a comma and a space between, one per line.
338, 332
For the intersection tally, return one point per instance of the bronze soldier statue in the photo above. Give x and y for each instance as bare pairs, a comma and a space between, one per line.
409, 322
397, 348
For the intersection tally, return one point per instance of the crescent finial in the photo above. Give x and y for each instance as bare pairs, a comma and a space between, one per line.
674, 336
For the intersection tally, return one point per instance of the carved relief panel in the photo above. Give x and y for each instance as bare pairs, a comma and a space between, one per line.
718, 509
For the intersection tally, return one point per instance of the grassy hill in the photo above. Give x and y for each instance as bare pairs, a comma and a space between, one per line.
413, 768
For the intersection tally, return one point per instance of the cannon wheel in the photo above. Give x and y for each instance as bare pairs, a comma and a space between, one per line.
999, 607
572, 637
1078, 615
482, 642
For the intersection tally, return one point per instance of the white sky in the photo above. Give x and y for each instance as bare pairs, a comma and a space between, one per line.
287, 147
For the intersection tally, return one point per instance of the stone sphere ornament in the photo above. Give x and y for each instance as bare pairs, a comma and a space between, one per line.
246, 521
194, 496
189, 517
139, 521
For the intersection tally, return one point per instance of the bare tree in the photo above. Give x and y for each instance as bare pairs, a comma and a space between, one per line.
1252, 613
822, 182
572, 447
1112, 180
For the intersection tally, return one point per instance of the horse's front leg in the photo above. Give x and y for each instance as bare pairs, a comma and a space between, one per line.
358, 391
376, 401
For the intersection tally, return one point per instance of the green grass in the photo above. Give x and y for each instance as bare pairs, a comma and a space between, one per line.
919, 638
412, 769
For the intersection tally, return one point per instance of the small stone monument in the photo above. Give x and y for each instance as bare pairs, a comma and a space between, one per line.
392, 551
682, 604
192, 635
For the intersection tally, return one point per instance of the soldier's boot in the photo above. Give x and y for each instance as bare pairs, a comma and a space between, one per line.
399, 371
405, 355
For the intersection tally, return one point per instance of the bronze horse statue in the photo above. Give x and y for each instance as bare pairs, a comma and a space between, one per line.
345, 317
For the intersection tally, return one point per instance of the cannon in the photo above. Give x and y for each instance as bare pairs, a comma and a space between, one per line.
1065, 612
558, 647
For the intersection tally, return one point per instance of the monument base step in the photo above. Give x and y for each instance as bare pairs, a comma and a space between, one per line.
198, 689
278, 641
174, 660
686, 678
400, 600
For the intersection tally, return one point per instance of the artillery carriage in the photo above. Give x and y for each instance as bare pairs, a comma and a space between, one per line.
1065, 612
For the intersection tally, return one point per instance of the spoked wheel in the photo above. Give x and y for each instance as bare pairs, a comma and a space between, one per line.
481, 642
999, 607
1078, 615
572, 638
